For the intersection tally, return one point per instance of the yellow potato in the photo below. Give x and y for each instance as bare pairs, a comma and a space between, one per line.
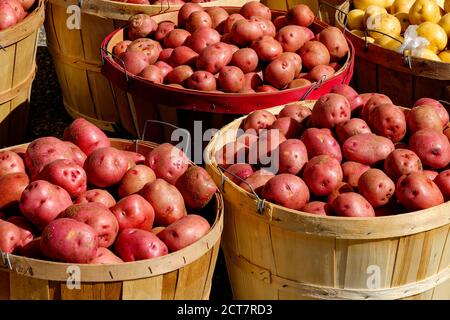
385, 23
372, 11
361, 34
445, 24
435, 34
355, 19
445, 56
401, 6
426, 54
424, 10
390, 44
403, 17
363, 4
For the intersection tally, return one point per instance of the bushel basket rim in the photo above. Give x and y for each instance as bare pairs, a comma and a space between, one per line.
57, 271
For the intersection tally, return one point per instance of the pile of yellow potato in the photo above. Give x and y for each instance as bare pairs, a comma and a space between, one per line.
392, 17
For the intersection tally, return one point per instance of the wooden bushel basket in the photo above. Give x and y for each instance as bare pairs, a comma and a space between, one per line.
76, 52
18, 46
276, 253
182, 275
181, 107
385, 71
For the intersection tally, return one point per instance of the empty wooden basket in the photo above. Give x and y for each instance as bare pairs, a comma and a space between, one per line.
280, 253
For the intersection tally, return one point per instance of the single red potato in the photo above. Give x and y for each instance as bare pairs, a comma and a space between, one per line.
322, 174
105, 167
289, 127
291, 38
176, 38
11, 187
351, 127
197, 20
432, 147
438, 107
105, 256
214, 57
292, 156
443, 182
137, 244
135, 179
318, 207
239, 172
231, 79
255, 8
10, 162
286, 190
352, 172
295, 111
367, 148
400, 162
141, 26
373, 100
218, 17
300, 15
352, 96
134, 212
186, 10
202, 38
320, 142
314, 53
267, 48
334, 40
97, 196
376, 187
197, 187
152, 73
258, 120
389, 121
86, 136
351, 204
245, 59
424, 117
13, 238
330, 110
168, 162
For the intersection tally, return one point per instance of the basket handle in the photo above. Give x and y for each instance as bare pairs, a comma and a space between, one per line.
5, 259
260, 204
161, 8
127, 78
327, 4
313, 87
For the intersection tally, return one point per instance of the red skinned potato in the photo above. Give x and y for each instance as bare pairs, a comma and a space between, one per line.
423, 117
352, 96
267, 27
152, 73
322, 174
239, 172
351, 204
267, 48
367, 148
166, 200
256, 181
7, 16
295, 59
165, 54
330, 110
280, 22
320, 73
374, 100
183, 55
164, 68
231, 79
376, 187
314, 53
134, 61
163, 29
69, 240
66, 174
280, 72
13, 238
349, 128
416, 191
432, 147
105, 256
86, 136
141, 26
168, 162
41, 202
255, 8
266, 88
186, 10
438, 107
245, 59
265, 150
137, 244
202, 38
184, 232
11, 187
231, 20
400, 162
203, 81
105, 167
28, 231
300, 15
149, 47
341, 188
352, 172
197, 20
317, 207
245, 32
295, 111
259, 119
289, 127
99, 217
335, 42
135, 179
431, 174
214, 57
443, 182
252, 81
179, 75
231, 153
292, 156
97, 196
134, 212
320, 142
389, 121
286, 190
291, 38
218, 17
176, 38
196, 187
10, 162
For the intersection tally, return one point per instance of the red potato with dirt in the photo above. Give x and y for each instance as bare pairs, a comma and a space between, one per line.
202, 38
286, 190
351, 204
214, 57
203, 81
134, 211
335, 42
288, 127
389, 121
400, 162
136, 244
86, 136
10, 162
244, 32
197, 187
41, 202
351, 127
291, 38
352, 171
135, 179
239, 172
292, 156
367, 148
438, 107
423, 117
330, 110
255, 8
255, 183
258, 120
186, 10
319, 208
141, 26
184, 232
373, 100
321, 142
231, 79
105, 256
280, 72
168, 162
314, 53
99, 217
416, 191
97, 196
295, 111
352, 96
68, 240
149, 47
267, 48
376, 187
245, 59
105, 167
163, 29
13, 238
322, 174
300, 15
197, 20
432, 147
11, 187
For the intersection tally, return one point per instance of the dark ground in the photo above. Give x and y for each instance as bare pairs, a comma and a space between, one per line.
48, 117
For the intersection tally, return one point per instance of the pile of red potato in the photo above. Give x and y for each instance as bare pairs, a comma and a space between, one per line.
351, 155
13, 11
58, 199
245, 52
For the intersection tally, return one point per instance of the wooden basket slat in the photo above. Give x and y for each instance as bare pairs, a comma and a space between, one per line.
143, 289
169, 285
27, 288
